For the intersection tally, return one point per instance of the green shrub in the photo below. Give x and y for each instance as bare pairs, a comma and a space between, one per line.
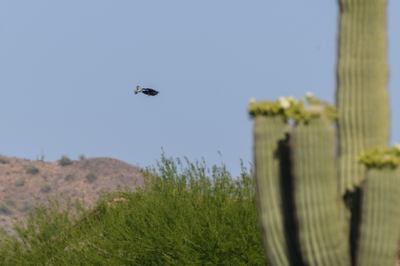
45, 188
183, 215
32, 170
9, 202
20, 183
28, 207
4, 209
69, 177
65, 160
4, 160
92, 176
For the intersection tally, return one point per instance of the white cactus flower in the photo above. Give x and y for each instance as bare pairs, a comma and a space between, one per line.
284, 102
291, 99
397, 146
252, 100
309, 94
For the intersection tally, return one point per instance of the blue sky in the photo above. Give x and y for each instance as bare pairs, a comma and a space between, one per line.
69, 70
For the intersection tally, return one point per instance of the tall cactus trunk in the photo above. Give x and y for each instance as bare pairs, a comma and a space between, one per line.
362, 74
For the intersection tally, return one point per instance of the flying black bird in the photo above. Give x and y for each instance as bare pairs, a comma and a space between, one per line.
147, 91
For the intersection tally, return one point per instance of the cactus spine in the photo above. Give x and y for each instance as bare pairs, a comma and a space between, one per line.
362, 74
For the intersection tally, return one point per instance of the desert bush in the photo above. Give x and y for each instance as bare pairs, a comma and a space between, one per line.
92, 176
4, 160
82, 157
65, 160
69, 177
9, 202
28, 207
20, 183
4, 209
32, 170
45, 188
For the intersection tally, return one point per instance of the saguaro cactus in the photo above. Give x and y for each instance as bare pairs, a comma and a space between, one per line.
301, 179
361, 95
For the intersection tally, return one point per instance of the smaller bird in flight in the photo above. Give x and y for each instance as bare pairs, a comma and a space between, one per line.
147, 91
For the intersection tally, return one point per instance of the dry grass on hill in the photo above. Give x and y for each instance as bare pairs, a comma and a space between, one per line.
25, 183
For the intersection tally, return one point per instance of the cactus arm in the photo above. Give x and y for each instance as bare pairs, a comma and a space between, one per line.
321, 223
380, 218
362, 74
380, 213
269, 131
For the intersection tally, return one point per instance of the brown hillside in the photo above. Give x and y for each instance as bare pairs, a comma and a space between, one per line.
25, 183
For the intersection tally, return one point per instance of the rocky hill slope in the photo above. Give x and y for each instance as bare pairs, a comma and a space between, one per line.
25, 183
